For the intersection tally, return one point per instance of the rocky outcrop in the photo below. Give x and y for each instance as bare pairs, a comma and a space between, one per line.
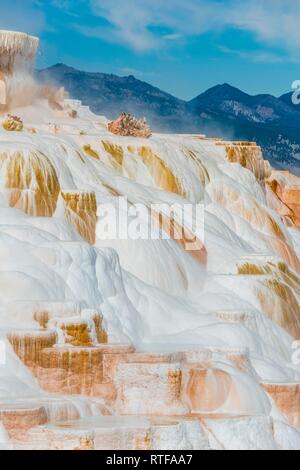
284, 196
13, 124
128, 125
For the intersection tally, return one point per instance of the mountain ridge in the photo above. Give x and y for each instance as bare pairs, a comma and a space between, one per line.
222, 110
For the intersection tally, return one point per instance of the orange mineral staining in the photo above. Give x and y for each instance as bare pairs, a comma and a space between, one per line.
285, 198
19, 418
31, 182
116, 152
28, 345
281, 305
287, 399
249, 156
162, 175
81, 212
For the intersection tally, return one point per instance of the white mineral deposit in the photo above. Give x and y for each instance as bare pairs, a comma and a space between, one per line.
140, 343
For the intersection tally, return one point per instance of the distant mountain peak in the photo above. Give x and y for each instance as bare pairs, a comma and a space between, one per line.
61, 66
223, 110
223, 91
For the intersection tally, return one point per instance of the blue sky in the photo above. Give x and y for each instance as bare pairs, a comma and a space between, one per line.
181, 46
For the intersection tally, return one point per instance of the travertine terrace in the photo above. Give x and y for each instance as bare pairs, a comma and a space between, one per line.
17, 52
141, 344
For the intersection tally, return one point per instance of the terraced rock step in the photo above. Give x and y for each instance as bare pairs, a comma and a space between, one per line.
120, 433
149, 389
162, 433
29, 344
77, 370
18, 418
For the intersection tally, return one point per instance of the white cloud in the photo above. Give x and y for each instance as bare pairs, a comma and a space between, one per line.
137, 23
275, 22
152, 24
255, 56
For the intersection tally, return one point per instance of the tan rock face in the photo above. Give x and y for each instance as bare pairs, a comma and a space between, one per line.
81, 212
249, 156
285, 195
287, 399
128, 125
72, 371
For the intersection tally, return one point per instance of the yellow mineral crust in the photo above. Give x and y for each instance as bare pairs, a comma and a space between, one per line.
163, 176
281, 305
97, 319
203, 172
92, 153
30, 181
116, 152
77, 333
280, 270
81, 212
